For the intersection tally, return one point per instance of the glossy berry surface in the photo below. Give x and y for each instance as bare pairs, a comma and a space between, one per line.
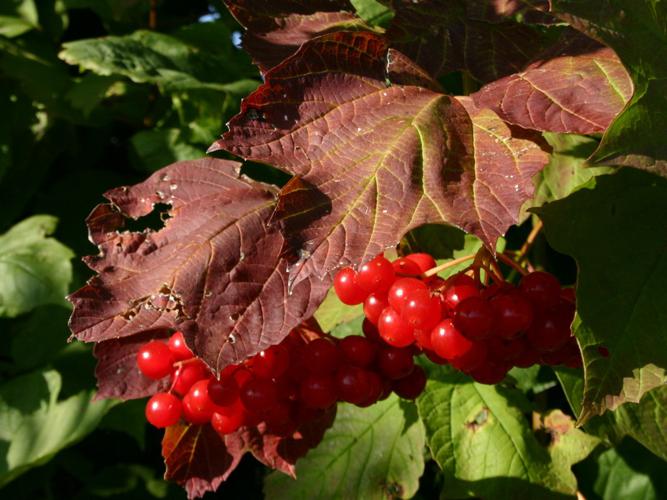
163, 410
376, 275
474, 318
374, 304
318, 391
513, 314
223, 392
197, 405
448, 342
155, 360
321, 357
421, 309
179, 348
394, 330
188, 374
395, 363
541, 288
346, 287
357, 350
423, 260
352, 384
412, 385
398, 292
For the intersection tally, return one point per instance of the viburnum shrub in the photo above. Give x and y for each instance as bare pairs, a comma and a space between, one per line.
436, 113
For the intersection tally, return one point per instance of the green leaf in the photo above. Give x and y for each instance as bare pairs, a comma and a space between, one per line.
18, 17
332, 312
11, 26
128, 417
89, 91
373, 12
35, 425
479, 435
617, 233
370, 453
35, 269
156, 148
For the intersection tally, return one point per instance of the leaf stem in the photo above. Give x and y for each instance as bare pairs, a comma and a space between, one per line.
521, 255
510, 262
435, 270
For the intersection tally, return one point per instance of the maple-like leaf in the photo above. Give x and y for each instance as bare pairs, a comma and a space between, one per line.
578, 86
386, 158
276, 29
215, 270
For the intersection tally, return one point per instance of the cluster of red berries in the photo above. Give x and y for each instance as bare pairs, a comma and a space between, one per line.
480, 330
284, 386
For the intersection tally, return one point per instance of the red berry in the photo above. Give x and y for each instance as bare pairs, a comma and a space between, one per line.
376, 275
490, 373
505, 350
398, 292
423, 260
430, 354
411, 386
395, 363
423, 339
321, 357
548, 332
473, 358
318, 391
223, 392
541, 288
528, 356
270, 363
259, 395
228, 419
376, 389
513, 312
179, 348
394, 330
352, 384
197, 405
346, 287
421, 309
374, 305
448, 342
473, 317
458, 288
163, 410
370, 331
358, 350
241, 376
188, 374
155, 360
406, 267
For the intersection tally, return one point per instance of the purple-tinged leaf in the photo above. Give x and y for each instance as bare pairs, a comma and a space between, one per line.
388, 158
216, 270
579, 89
276, 29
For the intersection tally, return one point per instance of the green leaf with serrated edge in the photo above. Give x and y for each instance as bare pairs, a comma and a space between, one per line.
373, 12
370, 453
332, 312
479, 435
35, 269
35, 425
617, 233
566, 171
645, 421
635, 29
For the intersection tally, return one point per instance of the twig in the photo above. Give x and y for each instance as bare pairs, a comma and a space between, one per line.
435, 270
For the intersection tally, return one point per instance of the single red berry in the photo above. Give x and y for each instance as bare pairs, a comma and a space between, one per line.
490, 373
374, 305
548, 332
458, 288
370, 331
179, 348
321, 357
258, 395
155, 360
394, 330
242, 375
395, 363
513, 313
197, 405
528, 356
448, 342
352, 384
228, 419
398, 292
423, 260
270, 363
188, 374
318, 391
473, 358
163, 410
541, 288
376, 275
430, 354
423, 339
376, 389
346, 287
474, 318
505, 350
405, 267
495, 289
223, 392
421, 309
358, 350
411, 386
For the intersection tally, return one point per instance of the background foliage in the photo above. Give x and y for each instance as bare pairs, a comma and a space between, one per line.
82, 116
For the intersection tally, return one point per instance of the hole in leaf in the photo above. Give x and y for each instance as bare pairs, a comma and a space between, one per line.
154, 221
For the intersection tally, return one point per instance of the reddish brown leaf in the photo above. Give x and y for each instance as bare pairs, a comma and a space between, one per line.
216, 271
579, 88
388, 157
276, 29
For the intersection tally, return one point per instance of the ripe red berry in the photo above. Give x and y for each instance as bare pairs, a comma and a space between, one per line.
376, 275
228, 419
318, 391
346, 287
258, 395
395, 363
223, 392
405, 267
458, 288
528, 357
270, 363
400, 289
197, 405
473, 358
513, 313
423, 260
321, 357
376, 389
541, 288
548, 332
423, 339
411, 386
179, 348
352, 384
155, 360
448, 342
370, 331
163, 410
358, 350
374, 305
430, 354
394, 330
474, 318
490, 373
421, 309
188, 374
505, 350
